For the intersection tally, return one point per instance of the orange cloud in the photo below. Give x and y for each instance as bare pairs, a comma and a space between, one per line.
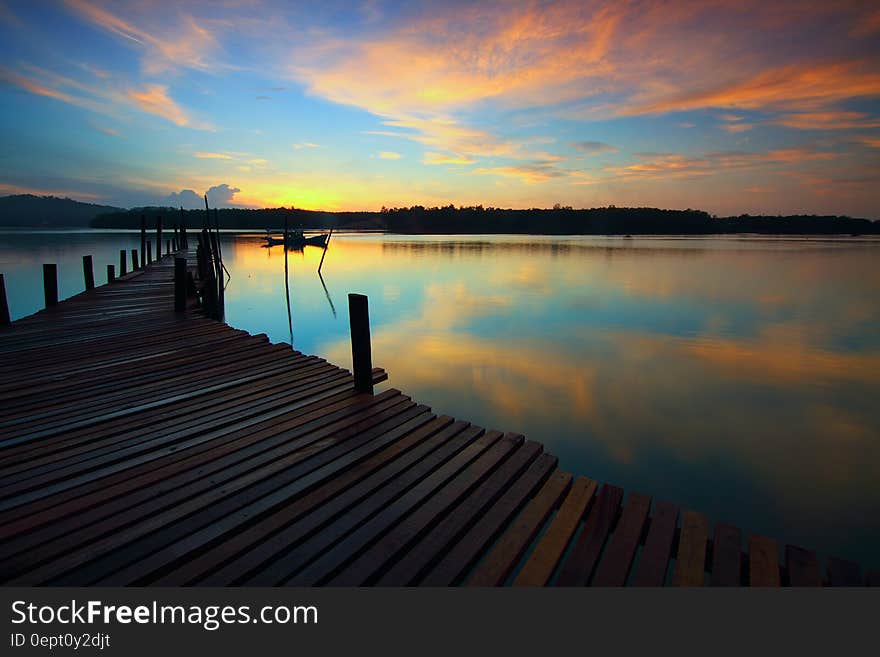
439, 158
154, 99
828, 120
183, 42
212, 156
794, 86
389, 155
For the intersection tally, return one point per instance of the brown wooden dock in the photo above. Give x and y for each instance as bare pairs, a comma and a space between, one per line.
139, 445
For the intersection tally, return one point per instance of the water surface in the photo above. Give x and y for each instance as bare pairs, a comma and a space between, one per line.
737, 376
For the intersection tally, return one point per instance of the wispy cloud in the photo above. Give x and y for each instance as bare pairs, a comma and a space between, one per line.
154, 99
212, 156
389, 155
828, 120
182, 42
594, 147
440, 158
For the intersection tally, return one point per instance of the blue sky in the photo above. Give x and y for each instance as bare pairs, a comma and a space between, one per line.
729, 107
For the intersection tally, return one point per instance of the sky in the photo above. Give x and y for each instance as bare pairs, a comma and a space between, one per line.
730, 107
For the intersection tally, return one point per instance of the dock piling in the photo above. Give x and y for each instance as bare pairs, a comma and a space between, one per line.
50, 284
88, 272
4, 304
149, 251
134, 260
144, 238
159, 238
361, 357
111, 274
122, 264
179, 284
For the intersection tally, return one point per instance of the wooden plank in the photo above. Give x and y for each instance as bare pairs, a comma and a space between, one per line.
331, 561
541, 564
654, 560
763, 561
467, 551
581, 562
470, 511
802, 567
394, 544
690, 562
726, 556
496, 567
843, 573
241, 553
331, 523
615, 566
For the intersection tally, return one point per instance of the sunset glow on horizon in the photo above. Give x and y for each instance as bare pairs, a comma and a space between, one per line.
729, 107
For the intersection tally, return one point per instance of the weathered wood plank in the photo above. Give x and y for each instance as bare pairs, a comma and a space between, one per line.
496, 567
802, 567
617, 561
654, 560
584, 556
726, 556
690, 562
763, 562
540, 565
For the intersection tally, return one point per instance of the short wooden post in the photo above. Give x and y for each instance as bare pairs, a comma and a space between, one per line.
50, 285
111, 274
179, 284
361, 358
4, 304
158, 238
122, 265
134, 260
167, 247
149, 251
144, 238
88, 272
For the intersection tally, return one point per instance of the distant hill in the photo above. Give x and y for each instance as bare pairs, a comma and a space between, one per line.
29, 211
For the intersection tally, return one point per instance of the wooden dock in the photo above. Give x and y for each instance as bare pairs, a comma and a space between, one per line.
144, 446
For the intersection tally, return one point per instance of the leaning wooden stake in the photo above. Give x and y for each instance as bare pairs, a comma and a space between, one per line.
361, 358
179, 284
88, 272
4, 304
50, 285
144, 239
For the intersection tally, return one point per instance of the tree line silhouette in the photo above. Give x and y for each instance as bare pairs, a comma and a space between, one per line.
559, 220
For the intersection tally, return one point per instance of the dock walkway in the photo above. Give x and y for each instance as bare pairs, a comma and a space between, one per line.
144, 446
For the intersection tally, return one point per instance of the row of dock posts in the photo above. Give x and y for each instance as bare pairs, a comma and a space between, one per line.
210, 269
139, 259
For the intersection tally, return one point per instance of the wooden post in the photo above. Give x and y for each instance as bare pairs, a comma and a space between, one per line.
50, 285
183, 235
4, 304
158, 238
149, 251
122, 262
144, 238
361, 358
179, 284
111, 274
134, 259
167, 247
88, 272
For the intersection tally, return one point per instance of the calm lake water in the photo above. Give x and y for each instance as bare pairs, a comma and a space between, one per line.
739, 377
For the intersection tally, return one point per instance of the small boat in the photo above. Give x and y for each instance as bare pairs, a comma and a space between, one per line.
296, 240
